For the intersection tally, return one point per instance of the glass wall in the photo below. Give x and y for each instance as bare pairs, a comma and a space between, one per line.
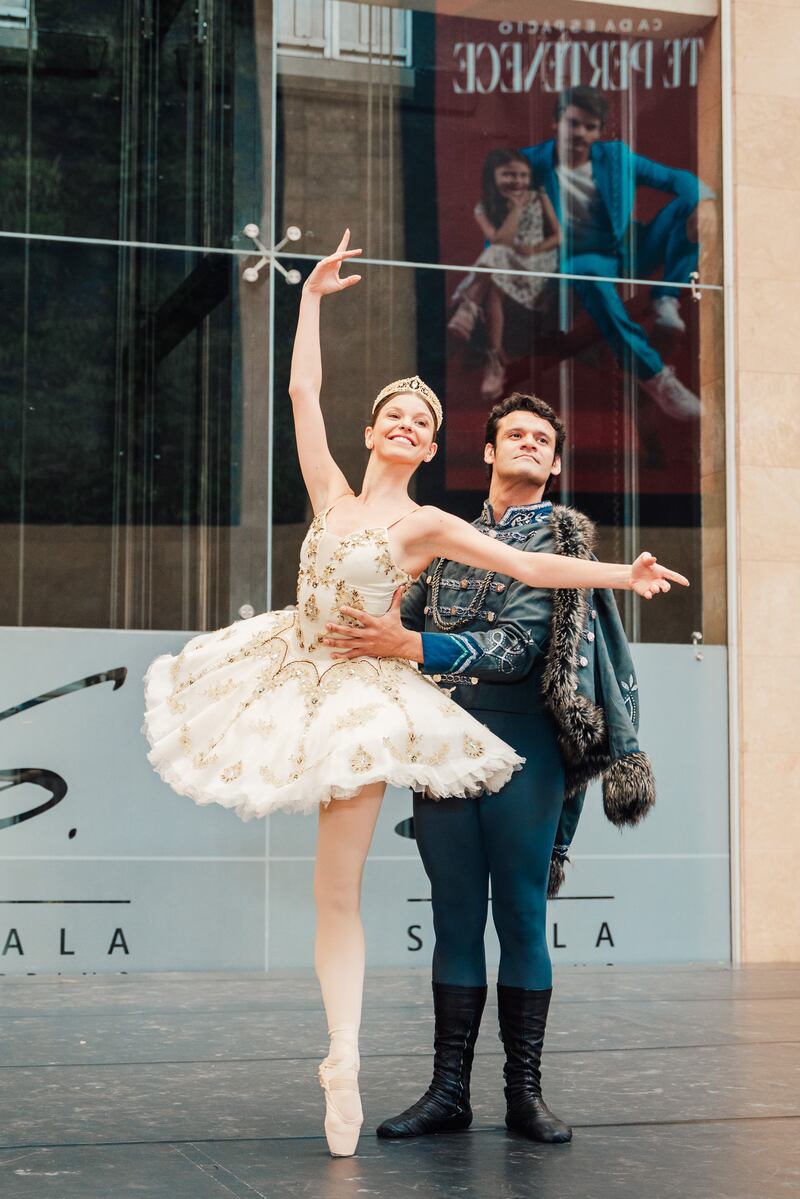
539, 204
134, 365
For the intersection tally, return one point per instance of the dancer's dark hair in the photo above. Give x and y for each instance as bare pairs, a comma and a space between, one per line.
494, 204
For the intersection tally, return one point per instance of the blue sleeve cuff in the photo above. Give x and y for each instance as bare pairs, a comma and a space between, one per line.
448, 653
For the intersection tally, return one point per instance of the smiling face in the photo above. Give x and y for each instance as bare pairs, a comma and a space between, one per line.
524, 451
403, 430
512, 177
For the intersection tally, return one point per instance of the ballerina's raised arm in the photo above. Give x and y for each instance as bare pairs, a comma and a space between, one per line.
324, 480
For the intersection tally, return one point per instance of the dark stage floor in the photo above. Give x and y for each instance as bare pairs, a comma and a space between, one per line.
680, 1082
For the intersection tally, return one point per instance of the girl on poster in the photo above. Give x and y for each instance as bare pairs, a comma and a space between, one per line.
522, 235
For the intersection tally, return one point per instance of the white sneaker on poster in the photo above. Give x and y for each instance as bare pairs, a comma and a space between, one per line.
667, 314
671, 395
494, 378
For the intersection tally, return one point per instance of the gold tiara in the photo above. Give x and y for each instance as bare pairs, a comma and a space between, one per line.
414, 384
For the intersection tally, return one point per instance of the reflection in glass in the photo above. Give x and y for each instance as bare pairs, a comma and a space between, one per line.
650, 476
389, 131
135, 413
137, 122
134, 410
524, 151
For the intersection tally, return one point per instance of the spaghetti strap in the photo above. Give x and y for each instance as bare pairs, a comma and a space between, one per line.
330, 507
405, 514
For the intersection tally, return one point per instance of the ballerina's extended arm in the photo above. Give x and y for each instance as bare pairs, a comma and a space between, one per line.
323, 479
430, 533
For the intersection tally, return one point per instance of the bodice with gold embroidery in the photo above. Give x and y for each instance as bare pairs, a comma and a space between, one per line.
355, 571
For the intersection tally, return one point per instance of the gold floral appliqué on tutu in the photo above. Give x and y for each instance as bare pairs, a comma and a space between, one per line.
354, 717
473, 748
361, 761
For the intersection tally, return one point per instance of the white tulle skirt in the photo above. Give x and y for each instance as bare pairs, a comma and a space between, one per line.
247, 718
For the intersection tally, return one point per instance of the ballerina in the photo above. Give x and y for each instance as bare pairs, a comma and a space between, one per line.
261, 716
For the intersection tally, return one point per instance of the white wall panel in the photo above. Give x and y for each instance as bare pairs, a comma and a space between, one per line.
195, 888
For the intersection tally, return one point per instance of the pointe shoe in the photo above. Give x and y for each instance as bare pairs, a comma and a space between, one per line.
343, 1112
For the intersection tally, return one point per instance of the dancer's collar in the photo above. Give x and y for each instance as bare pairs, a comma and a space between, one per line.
517, 514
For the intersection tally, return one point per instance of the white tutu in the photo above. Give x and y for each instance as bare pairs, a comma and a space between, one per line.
259, 717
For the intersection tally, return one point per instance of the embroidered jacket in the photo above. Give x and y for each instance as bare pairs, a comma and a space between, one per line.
508, 647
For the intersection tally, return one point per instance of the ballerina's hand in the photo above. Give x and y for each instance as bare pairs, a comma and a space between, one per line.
325, 278
648, 577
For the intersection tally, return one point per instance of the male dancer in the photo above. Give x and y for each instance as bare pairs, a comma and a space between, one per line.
550, 672
592, 185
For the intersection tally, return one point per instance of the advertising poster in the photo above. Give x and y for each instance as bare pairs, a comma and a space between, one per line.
566, 148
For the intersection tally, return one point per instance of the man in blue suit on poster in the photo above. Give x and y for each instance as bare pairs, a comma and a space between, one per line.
592, 185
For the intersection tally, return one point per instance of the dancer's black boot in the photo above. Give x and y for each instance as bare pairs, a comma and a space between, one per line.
445, 1105
523, 1017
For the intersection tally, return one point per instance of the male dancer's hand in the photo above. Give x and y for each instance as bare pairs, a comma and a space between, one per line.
648, 577
375, 636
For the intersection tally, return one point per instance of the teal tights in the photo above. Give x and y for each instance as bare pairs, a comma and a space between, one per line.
506, 838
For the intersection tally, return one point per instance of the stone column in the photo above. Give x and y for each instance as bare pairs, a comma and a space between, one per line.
766, 132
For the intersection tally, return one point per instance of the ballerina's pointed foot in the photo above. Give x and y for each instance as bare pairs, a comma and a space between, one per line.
343, 1112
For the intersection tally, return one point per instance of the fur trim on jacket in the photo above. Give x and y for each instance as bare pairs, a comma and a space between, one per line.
628, 783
